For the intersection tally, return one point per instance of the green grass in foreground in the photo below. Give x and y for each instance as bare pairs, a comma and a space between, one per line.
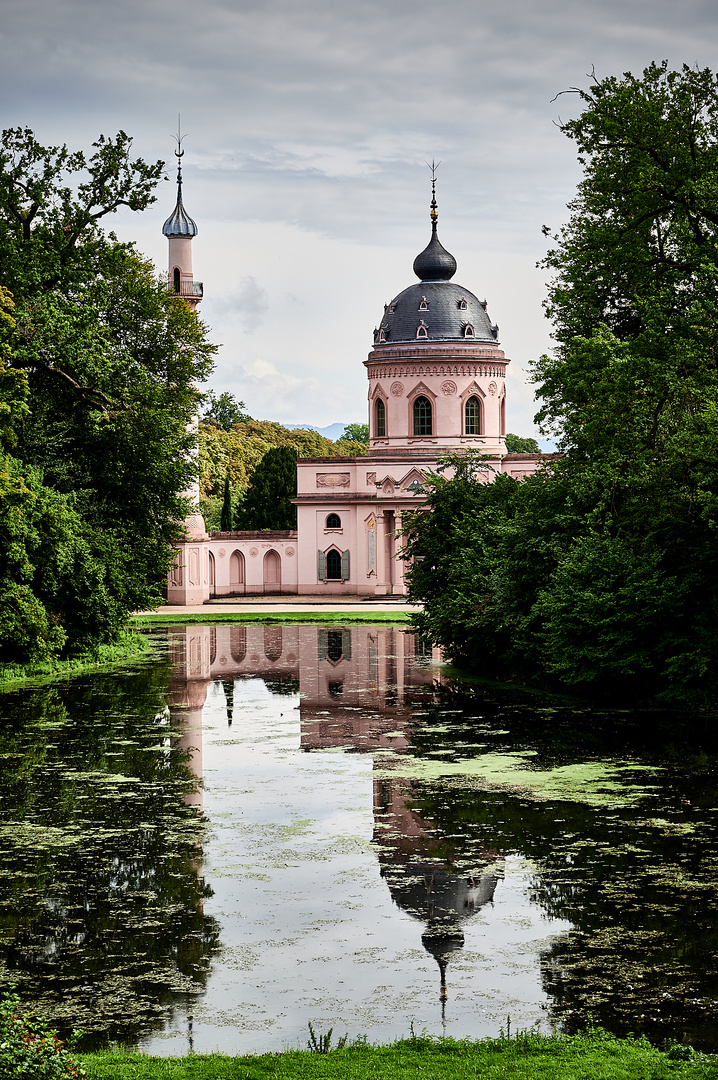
593, 1056
130, 648
158, 618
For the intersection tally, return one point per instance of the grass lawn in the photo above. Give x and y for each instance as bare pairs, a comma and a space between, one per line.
318, 617
594, 1056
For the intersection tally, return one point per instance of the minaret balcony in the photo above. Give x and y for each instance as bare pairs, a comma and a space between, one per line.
189, 288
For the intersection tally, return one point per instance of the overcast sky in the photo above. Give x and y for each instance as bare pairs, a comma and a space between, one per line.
309, 124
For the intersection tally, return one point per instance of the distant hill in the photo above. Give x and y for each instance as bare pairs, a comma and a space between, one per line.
333, 431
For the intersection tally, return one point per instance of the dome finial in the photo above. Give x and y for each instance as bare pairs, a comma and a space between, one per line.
434, 263
179, 223
434, 215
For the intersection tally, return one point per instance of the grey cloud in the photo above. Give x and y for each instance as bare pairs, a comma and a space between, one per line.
248, 303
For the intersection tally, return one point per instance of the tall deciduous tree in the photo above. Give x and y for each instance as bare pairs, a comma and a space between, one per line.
603, 571
110, 358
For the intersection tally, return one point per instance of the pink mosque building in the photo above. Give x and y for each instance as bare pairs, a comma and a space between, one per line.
437, 385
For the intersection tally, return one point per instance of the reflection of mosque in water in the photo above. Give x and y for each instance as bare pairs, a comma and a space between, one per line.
359, 689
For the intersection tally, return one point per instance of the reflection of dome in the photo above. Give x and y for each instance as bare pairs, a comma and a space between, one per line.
443, 901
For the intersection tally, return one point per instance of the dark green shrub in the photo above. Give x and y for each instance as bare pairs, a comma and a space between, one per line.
29, 1050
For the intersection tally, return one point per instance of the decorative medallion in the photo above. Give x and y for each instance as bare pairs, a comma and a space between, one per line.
223, 660
253, 552
221, 553
289, 552
492, 388
333, 479
396, 389
448, 388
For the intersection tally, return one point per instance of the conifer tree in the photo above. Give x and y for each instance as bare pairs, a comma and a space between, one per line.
267, 504
226, 519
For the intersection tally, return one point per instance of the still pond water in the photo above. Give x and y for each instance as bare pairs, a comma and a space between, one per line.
266, 826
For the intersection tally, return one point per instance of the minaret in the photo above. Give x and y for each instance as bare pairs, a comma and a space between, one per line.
180, 230
189, 580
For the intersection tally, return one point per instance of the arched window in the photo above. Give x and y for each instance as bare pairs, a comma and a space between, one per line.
461, 304
422, 416
380, 415
468, 330
382, 334
424, 305
272, 569
334, 565
238, 643
273, 643
334, 522
472, 413
502, 419
212, 571
421, 330
236, 568
335, 645
176, 279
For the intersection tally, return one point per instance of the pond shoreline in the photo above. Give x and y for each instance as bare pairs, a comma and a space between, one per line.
528, 1055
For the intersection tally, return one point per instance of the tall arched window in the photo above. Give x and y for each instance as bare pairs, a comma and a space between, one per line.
502, 419
176, 279
472, 413
273, 643
236, 568
334, 565
272, 572
380, 415
422, 416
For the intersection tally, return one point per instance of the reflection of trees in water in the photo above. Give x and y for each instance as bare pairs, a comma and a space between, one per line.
101, 911
638, 882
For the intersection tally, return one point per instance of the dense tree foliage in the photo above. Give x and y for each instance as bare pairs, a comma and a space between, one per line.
267, 504
97, 390
237, 452
602, 572
518, 444
355, 433
225, 410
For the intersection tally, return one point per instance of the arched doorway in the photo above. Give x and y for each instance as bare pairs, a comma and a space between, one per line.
212, 574
272, 572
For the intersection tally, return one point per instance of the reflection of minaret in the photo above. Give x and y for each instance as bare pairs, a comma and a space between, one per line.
190, 655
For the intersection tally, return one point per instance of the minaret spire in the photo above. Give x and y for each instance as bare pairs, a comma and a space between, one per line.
179, 154
180, 230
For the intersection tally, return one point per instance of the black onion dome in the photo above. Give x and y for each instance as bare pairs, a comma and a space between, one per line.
434, 263
179, 223
444, 310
